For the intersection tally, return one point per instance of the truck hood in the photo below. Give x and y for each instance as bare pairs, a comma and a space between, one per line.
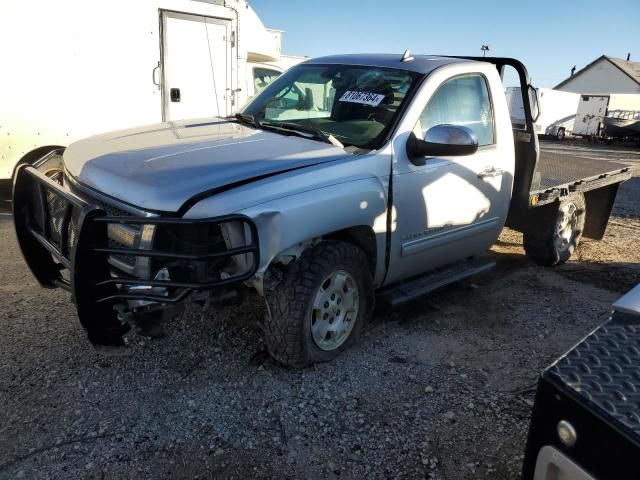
160, 167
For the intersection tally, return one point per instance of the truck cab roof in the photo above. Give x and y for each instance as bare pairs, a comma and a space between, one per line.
418, 63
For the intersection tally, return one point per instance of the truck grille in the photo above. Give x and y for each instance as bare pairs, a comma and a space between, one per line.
129, 260
111, 210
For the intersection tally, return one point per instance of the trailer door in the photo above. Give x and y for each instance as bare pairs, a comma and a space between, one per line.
591, 111
196, 60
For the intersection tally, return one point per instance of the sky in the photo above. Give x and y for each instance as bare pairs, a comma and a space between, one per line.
549, 37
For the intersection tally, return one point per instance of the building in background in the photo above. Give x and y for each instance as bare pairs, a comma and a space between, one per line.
605, 75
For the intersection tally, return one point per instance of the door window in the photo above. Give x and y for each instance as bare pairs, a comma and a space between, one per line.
461, 101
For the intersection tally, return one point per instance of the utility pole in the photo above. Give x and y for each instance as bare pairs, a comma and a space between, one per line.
485, 49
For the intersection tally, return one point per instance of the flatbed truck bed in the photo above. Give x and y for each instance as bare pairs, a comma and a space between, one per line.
558, 174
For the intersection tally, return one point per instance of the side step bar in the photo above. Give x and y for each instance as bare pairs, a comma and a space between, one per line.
413, 289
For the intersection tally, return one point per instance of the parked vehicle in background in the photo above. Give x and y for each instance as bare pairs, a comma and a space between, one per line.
557, 111
622, 124
262, 74
592, 110
346, 175
585, 423
76, 68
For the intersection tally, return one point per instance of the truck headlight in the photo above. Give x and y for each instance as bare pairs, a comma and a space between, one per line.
125, 235
134, 237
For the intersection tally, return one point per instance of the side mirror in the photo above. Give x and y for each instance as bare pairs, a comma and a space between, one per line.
442, 141
308, 99
534, 101
305, 99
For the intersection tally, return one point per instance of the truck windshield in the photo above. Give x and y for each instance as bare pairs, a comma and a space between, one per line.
357, 105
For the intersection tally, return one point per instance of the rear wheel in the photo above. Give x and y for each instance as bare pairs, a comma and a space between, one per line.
552, 239
319, 307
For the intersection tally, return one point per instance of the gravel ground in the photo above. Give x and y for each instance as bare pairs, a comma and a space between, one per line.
440, 389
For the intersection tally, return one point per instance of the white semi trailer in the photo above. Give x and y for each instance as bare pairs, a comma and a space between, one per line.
557, 110
77, 68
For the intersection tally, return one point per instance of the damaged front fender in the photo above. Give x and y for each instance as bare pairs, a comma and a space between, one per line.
296, 221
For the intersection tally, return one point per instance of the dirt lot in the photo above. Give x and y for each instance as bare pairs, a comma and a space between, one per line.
441, 389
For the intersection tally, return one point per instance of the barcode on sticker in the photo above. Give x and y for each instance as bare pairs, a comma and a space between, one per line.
365, 98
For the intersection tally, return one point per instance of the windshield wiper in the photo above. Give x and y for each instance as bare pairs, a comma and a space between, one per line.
304, 129
247, 119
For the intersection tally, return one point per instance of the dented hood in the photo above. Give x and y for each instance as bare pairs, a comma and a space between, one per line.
160, 167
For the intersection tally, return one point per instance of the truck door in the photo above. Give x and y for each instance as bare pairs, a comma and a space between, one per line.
454, 207
196, 59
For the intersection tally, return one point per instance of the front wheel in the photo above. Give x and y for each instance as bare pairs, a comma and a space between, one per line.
552, 239
560, 134
52, 167
319, 307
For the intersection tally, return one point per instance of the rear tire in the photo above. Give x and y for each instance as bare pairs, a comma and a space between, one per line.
318, 309
552, 238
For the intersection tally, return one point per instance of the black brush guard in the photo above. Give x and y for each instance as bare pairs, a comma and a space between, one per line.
60, 232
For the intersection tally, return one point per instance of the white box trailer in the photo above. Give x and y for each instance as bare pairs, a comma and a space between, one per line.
593, 108
590, 116
557, 110
76, 68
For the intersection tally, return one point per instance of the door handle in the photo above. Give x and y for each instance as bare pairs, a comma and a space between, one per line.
153, 75
490, 172
175, 94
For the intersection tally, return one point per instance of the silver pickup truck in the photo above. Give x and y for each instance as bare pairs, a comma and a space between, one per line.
348, 176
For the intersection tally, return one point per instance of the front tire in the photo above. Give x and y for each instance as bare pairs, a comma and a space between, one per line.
551, 239
560, 134
52, 168
318, 309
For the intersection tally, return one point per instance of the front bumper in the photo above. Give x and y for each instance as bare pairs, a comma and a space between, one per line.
65, 240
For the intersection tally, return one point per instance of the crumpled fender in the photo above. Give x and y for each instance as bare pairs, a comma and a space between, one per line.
284, 222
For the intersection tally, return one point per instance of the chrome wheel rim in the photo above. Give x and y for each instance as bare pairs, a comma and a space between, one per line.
56, 174
566, 226
335, 310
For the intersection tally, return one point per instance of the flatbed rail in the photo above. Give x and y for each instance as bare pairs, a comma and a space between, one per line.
558, 174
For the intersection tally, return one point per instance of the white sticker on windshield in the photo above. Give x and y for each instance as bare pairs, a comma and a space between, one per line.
365, 98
